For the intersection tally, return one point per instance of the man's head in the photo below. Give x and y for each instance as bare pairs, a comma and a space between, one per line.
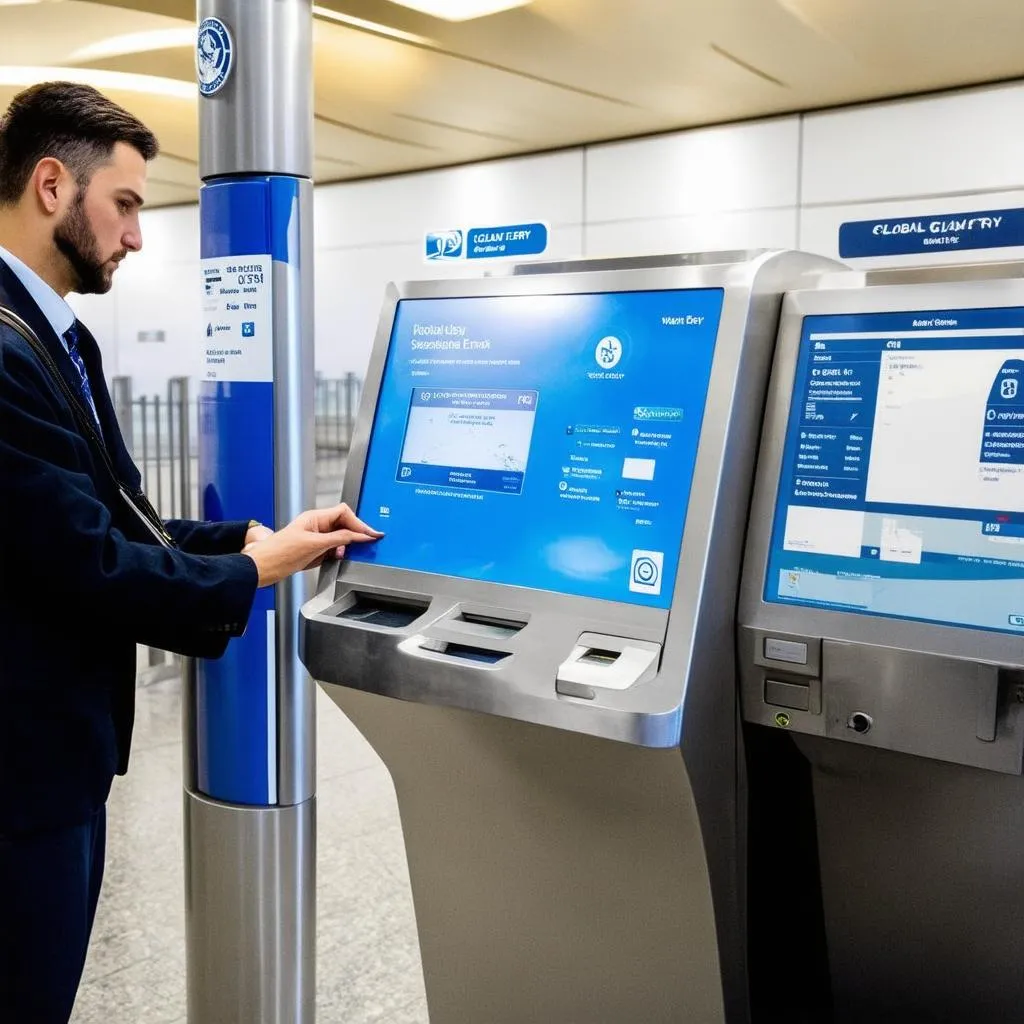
73, 168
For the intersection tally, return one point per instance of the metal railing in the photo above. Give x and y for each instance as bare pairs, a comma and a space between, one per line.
161, 433
158, 431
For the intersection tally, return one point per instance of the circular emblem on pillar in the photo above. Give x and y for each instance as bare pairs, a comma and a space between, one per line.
214, 55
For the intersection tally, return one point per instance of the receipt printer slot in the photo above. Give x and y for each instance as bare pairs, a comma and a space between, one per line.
463, 652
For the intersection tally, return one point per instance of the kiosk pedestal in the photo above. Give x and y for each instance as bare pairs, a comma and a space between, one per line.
540, 649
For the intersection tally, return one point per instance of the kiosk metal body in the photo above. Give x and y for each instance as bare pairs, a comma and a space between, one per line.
567, 767
878, 627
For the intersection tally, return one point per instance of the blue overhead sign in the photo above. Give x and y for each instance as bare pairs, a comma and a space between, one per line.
944, 232
499, 242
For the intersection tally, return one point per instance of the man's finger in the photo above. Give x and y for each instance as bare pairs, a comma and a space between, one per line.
343, 516
339, 539
353, 522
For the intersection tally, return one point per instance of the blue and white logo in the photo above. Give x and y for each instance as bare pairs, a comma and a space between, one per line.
446, 245
645, 572
608, 352
214, 55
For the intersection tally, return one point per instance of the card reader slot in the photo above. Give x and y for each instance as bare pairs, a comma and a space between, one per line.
487, 625
377, 610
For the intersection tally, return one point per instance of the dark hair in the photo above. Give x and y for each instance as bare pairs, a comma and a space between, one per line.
72, 123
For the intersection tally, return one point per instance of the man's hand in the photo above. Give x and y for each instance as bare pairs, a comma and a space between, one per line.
306, 541
256, 533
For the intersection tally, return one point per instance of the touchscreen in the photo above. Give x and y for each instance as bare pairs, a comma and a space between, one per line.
541, 441
902, 483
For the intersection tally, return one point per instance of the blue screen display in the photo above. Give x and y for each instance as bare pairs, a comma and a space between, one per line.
902, 484
541, 441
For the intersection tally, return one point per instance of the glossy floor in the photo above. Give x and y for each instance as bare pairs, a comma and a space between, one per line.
368, 967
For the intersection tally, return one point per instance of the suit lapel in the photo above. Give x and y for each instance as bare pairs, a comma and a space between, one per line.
14, 295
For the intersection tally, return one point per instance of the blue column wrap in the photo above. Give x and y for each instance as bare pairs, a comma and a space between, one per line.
236, 695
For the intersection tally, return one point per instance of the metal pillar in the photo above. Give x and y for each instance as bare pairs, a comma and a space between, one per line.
249, 717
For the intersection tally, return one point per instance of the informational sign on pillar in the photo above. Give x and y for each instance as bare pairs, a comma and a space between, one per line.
250, 836
238, 313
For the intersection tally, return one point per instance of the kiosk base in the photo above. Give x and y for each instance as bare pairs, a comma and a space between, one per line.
555, 876
250, 912
922, 877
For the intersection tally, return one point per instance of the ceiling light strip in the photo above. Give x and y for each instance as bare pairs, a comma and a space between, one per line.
122, 81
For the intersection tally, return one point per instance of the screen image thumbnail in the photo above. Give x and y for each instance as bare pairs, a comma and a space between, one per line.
469, 438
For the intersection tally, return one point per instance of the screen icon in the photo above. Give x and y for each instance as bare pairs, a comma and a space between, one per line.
248, 329
645, 572
608, 352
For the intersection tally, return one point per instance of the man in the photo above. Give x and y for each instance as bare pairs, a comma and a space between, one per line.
86, 571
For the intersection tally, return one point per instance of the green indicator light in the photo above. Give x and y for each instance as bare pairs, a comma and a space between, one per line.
782, 720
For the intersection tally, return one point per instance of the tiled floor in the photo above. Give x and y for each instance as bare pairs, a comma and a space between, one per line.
368, 966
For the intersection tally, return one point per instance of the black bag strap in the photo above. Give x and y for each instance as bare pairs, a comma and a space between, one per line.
134, 498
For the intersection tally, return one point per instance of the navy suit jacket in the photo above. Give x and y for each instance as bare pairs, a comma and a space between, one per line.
81, 583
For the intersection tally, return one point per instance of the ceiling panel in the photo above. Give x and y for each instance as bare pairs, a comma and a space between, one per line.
553, 73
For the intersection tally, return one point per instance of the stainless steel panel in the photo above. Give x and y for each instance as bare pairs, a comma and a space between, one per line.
250, 921
922, 875
920, 704
556, 877
294, 485
261, 121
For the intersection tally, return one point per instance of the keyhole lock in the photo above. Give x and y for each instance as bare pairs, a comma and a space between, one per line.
860, 722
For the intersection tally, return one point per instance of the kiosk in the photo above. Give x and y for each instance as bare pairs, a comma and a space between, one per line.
882, 630
562, 461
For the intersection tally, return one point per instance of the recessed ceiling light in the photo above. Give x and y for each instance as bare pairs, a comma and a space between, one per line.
374, 27
461, 10
151, 85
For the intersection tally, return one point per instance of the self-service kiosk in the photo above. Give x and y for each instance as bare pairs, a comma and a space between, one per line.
541, 647
882, 630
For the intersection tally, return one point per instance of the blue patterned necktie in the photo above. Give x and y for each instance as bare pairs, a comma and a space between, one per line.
71, 338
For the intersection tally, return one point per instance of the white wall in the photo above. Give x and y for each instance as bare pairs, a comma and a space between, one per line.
788, 181
944, 154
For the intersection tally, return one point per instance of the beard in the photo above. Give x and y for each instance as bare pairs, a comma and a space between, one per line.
76, 241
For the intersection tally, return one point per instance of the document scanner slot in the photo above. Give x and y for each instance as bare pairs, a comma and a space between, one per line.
599, 662
598, 657
389, 612
483, 625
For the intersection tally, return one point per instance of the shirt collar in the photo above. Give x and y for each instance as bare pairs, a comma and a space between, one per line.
59, 314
